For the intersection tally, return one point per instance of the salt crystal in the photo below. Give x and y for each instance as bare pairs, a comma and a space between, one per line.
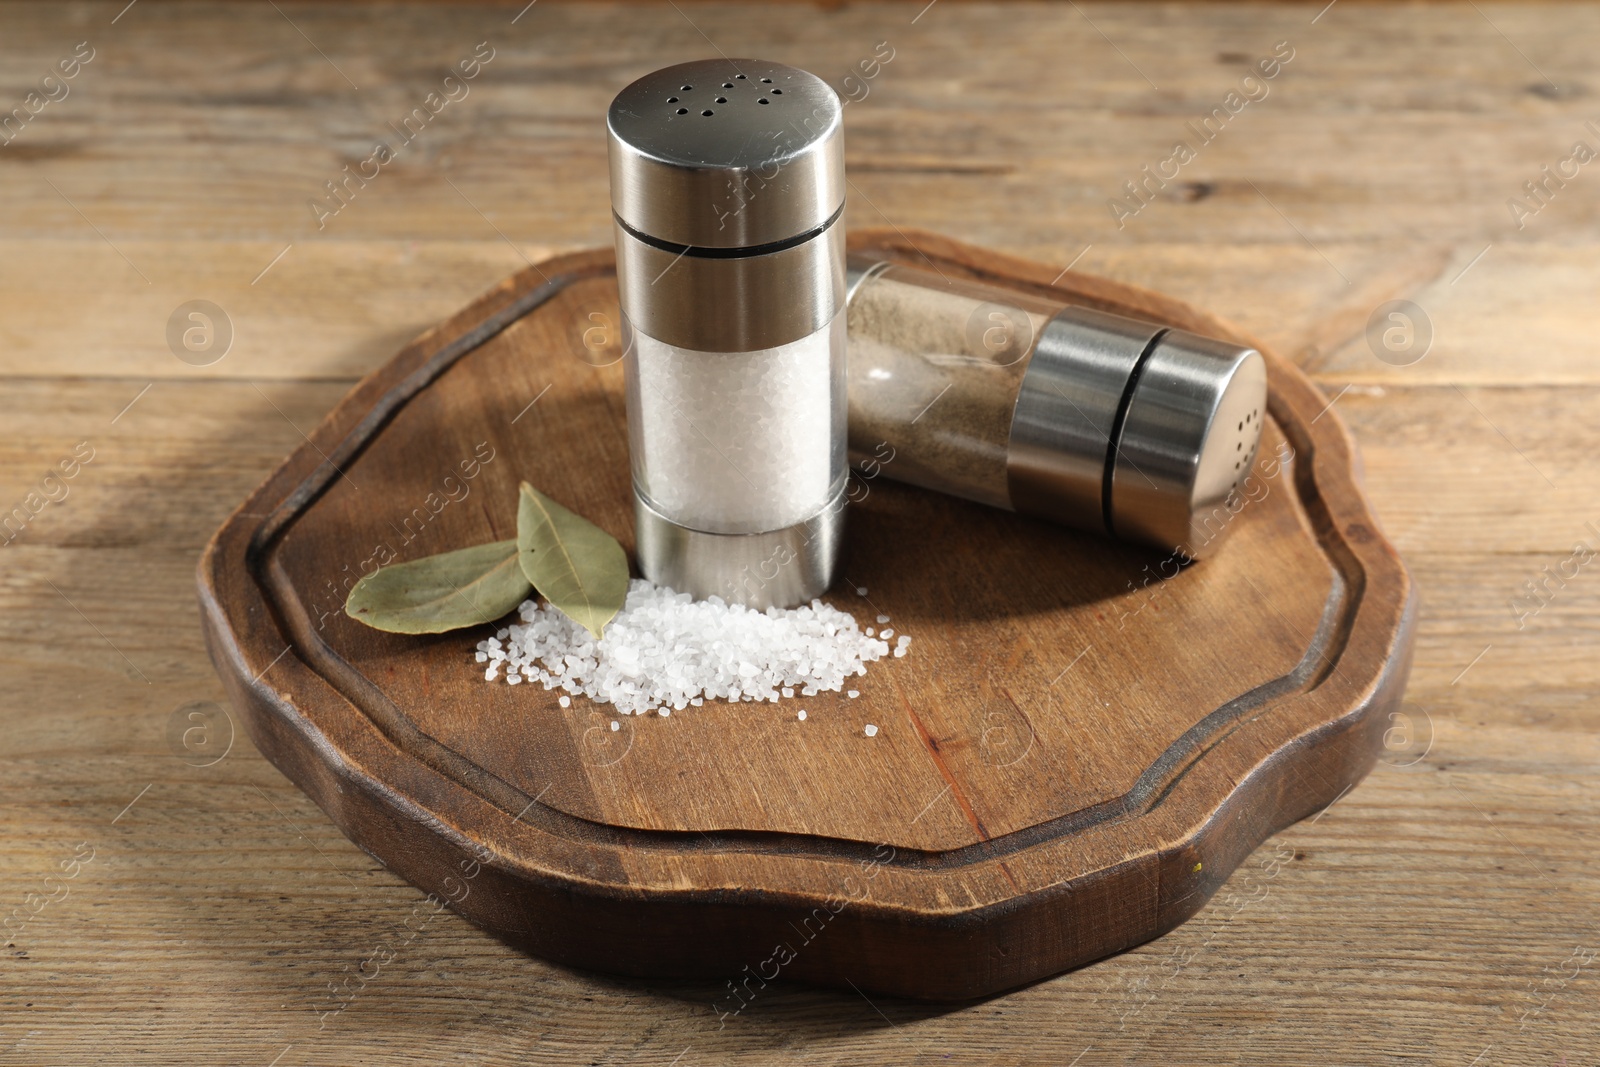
666, 651
886, 633
861, 590
853, 693
615, 726
883, 618
872, 731
565, 702
802, 714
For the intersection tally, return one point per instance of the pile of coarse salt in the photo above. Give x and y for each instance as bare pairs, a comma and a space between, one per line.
666, 651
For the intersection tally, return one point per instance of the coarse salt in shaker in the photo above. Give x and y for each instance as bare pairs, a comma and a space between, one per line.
1023, 402
727, 187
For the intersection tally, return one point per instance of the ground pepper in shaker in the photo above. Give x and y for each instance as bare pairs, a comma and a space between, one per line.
1023, 402
727, 187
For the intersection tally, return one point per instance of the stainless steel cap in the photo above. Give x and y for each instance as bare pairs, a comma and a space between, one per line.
726, 154
1131, 429
1066, 415
1188, 441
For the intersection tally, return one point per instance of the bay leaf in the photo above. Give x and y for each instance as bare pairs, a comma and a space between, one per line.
444, 592
573, 563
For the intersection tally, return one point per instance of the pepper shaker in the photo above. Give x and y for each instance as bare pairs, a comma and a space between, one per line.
727, 188
1093, 420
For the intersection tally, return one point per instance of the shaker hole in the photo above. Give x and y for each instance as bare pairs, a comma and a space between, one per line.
766, 81
777, 92
727, 85
686, 88
722, 100
672, 100
739, 76
763, 100
706, 112
683, 111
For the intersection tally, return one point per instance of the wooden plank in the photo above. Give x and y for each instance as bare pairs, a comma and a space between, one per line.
1413, 928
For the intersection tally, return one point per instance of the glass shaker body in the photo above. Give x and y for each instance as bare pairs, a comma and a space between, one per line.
934, 376
737, 442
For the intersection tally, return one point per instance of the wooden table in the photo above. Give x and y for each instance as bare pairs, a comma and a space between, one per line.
167, 898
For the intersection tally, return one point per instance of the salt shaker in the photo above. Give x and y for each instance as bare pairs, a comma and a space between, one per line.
1023, 402
727, 187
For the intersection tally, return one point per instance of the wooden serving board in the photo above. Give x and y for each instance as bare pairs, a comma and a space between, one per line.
1078, 749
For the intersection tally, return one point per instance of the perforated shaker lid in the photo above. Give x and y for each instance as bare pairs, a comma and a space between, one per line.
726, 153
1188, 443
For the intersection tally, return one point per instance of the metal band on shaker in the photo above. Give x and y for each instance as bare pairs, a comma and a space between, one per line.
760, 301
1066, 414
